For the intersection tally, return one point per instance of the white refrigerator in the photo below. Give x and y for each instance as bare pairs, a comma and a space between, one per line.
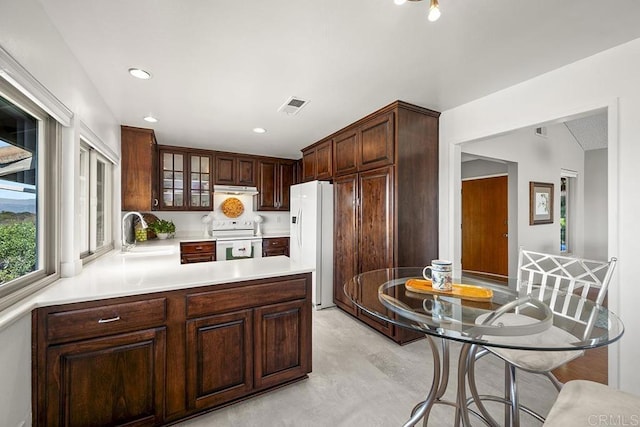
311, 237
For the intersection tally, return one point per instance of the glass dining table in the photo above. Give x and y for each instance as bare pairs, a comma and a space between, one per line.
474, 314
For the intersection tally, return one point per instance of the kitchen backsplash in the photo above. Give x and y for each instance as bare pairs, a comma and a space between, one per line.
191, 222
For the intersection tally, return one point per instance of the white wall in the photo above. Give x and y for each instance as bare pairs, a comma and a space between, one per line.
15, 374
595, 204
482, 168
189, 222
606, 80
28, 36
32, 40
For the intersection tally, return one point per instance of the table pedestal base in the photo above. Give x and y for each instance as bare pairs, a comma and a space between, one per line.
439, 385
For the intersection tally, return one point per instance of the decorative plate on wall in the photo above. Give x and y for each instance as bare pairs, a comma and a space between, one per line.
232, 207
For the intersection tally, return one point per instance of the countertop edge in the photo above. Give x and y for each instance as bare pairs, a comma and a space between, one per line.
91, 286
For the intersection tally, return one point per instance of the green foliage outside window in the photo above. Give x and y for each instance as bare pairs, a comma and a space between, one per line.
17, 249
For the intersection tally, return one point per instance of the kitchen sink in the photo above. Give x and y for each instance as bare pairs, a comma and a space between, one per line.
150, 250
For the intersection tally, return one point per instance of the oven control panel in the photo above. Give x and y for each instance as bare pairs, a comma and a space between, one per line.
232, 225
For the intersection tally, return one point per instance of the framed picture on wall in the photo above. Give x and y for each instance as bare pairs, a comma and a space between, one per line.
540, 203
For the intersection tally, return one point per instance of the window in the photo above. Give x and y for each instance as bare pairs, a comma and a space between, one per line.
95, 186
28, 188
567, 184
563, 214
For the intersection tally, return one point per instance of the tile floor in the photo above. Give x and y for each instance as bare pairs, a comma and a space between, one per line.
361, 378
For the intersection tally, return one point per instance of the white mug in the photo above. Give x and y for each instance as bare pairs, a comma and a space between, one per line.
440, 276
440, 309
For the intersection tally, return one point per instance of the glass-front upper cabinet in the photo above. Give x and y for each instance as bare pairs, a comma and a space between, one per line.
200, 181
172, 169
186, 180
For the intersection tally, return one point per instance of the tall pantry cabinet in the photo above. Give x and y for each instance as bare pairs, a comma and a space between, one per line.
386, 199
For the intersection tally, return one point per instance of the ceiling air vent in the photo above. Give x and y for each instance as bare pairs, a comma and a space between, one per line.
292, 106
541, 131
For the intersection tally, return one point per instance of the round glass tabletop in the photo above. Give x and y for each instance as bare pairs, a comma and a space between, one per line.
480, 311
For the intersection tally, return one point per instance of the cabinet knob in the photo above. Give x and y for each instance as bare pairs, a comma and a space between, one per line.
155, 202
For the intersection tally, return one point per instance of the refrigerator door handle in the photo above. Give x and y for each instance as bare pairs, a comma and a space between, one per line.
299, 227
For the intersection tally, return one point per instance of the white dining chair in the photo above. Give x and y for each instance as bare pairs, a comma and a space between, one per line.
555, 280
587, 403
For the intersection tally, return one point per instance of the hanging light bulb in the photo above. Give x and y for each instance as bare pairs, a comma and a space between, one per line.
399, 2
434, 11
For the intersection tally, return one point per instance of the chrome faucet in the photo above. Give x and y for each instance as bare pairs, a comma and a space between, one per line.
126, 246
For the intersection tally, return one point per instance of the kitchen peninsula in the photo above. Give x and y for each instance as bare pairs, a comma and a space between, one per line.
140, 338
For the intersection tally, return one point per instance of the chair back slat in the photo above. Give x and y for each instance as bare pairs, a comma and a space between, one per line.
559, 279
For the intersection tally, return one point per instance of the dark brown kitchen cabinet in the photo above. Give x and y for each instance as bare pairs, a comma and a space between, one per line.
275, 246
345, 238
297, 171
139, 169
117, 380
275, 177
100, 365
191, 252
220, 358
241, 340
281, 346
185, 179
317, 161
233, 169
367, 146
345, 152
385, 198
159, 358
363, 233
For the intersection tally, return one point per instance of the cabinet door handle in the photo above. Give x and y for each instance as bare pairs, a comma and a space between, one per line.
112, 319
155, 202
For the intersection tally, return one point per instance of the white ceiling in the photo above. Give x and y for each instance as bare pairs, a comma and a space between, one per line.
221, 68
590, 132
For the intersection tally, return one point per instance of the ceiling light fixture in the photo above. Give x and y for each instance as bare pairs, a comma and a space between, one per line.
259, 130
140, 73
434, 11
150, 119
434, 8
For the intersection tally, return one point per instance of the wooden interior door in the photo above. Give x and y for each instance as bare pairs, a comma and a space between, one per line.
485, 225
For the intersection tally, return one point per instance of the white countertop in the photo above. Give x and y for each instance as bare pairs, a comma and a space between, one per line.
200, 237
274, 234
116, 275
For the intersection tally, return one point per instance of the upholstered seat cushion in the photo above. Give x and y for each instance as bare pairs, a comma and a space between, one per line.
536, 361
586, 403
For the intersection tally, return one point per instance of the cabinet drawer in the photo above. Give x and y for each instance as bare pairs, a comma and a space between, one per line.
214, 302
197, 247
105, 320
190, 259
277, 242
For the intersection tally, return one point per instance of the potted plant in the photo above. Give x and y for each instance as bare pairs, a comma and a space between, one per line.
162, 228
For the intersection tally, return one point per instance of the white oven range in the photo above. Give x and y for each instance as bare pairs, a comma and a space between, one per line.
235, 239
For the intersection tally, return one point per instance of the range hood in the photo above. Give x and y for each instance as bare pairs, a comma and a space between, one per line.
235, 190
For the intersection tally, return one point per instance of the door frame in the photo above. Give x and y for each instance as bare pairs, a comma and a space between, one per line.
450, 199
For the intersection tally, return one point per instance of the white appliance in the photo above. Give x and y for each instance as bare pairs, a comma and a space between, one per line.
235, 239
311, 237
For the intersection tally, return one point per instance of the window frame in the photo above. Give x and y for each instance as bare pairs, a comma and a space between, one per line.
90, 249
48, 201
569, 196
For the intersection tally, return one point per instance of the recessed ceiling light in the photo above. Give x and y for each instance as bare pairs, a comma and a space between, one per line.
150, 119
139, 73
259, 130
